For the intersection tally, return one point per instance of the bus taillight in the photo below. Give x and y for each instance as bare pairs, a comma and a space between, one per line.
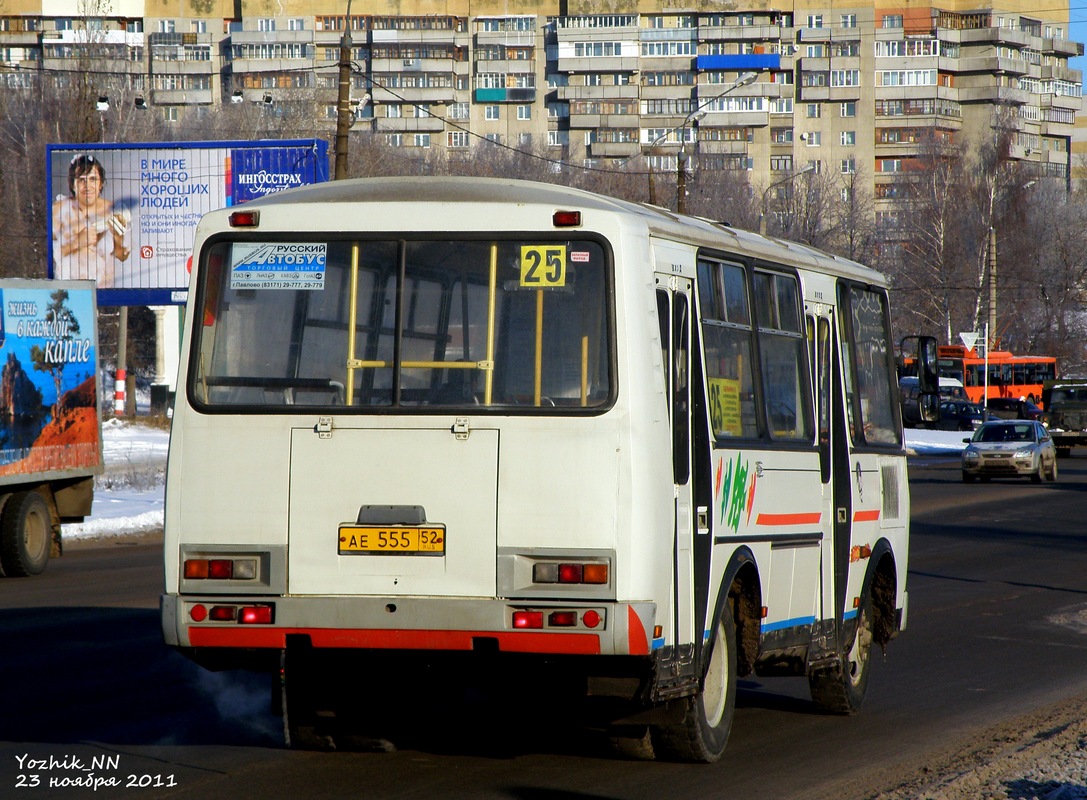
570, 572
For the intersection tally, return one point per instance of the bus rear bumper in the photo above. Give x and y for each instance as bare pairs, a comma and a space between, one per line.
408, 623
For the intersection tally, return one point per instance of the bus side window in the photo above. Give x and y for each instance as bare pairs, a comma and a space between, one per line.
727, 334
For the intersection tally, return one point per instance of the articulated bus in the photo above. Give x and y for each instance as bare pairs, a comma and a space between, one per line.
1009, 375
434, 428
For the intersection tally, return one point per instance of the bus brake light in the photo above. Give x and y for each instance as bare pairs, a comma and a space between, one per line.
528, 619
566, 219
245, 219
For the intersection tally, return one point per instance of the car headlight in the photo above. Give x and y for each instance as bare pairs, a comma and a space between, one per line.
971, 455
1027, 453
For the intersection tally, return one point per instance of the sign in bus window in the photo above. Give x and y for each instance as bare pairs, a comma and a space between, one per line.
543, 266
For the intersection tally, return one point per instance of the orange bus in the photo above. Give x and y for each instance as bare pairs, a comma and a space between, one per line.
1009, 375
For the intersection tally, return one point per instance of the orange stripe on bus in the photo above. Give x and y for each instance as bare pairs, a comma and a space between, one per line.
870, 515
789, 519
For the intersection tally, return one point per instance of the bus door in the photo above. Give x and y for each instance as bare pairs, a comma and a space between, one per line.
833, 461
674, 307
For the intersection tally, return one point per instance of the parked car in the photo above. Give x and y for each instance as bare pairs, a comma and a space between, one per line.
1010, 408
1010, 449
958, 415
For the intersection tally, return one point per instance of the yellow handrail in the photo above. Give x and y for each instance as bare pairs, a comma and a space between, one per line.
352, 318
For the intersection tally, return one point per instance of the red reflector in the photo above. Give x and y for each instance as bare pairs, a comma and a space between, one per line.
591, 619
221, 569
566, 219
223, 613
198, 613
244, 219
528, 619
196, 568
570, 573
256, 615
562, 619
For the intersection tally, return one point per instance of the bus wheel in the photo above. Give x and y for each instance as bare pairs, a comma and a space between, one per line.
707, 716
842, 688
304, 728
26, 534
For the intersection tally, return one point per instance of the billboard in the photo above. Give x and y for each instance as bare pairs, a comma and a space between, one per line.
49, 398
125, 215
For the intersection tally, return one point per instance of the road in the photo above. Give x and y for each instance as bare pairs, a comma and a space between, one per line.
997, 629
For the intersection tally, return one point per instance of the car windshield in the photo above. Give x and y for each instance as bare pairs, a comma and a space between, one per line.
1004, 433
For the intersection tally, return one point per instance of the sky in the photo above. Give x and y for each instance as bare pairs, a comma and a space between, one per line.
128, 497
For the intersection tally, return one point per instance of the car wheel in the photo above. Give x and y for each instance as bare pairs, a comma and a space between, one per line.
1036, 476
1053, 471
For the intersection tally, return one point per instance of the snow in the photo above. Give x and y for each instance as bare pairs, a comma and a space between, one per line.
128, 496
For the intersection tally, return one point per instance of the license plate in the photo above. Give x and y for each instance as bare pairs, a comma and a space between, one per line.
387, 540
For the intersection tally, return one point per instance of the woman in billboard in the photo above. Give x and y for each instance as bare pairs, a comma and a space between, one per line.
90, 237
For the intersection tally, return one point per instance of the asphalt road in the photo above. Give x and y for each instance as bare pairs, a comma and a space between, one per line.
997, 629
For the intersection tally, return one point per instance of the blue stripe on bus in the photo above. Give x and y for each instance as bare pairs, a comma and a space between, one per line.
767, 627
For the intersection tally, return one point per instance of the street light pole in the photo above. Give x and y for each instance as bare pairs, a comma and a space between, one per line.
681, 174
343, 110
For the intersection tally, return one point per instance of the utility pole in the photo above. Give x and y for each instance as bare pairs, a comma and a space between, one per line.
992, 285
343, 109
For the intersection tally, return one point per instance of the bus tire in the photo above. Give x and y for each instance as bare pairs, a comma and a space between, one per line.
842, 689
703, 732
26, 534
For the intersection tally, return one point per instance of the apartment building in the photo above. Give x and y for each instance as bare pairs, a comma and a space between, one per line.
837, 86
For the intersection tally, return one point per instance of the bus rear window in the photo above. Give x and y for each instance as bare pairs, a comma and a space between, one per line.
521, 324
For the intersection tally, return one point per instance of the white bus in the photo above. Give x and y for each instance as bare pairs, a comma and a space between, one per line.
438, 426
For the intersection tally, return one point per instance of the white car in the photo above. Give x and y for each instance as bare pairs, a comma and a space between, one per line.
1010, 449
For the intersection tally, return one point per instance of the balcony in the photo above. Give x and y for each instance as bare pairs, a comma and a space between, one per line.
599, 121
628, 91
739, 33
506, 38
504, 96
435, 94
182, 97
409, 124
614, 149
754, 62
571, 65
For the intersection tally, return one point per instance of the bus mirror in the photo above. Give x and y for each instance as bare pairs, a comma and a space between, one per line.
927, 377
928, 407
921, 354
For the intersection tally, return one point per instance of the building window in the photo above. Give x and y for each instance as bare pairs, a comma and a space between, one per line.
848, 166
459, 111
781, 163
296, 24
849, 109
892, 20
165, 25
781, 135
422, 140
266, 25
849, 21
492, 112
848, 138
524, 112
815, 21
394, 139
198, 26
845, 77
457, 140
813, 111
394, 111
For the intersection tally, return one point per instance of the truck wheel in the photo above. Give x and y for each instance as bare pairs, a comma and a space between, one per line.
707, 716
841, 690
26, 535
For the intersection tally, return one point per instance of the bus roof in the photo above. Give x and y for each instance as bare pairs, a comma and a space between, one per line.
518, 193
